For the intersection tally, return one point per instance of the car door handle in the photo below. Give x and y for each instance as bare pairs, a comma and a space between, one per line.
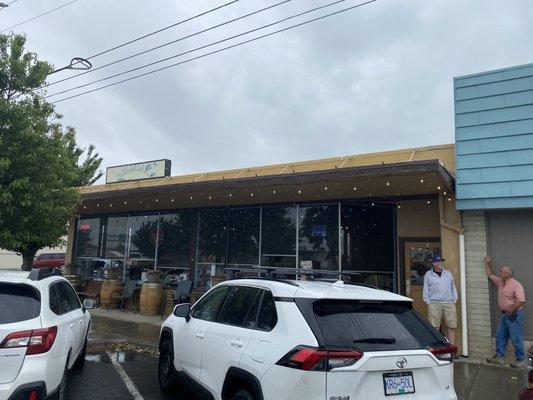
236, 343
200, 335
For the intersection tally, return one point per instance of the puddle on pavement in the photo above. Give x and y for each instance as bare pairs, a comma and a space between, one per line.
93, 357
123, 356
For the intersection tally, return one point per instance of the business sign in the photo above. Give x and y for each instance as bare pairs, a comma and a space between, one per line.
135, 172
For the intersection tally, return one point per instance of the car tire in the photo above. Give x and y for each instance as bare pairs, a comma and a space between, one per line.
167, 375
80, 361
242, 395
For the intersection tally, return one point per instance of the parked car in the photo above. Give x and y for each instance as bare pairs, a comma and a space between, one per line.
43, 334
49, 260
254, 339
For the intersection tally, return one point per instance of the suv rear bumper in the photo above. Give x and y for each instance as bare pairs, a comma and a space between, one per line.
24, 391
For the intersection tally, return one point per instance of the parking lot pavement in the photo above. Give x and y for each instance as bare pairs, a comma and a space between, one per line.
119, 376
132, 375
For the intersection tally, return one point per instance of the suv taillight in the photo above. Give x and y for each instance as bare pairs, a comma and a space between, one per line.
444, 353
313, 359
37, 341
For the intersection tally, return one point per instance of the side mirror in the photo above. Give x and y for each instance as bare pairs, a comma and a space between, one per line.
183, 311
89, 304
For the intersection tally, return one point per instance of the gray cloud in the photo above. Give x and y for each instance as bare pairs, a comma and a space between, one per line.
376, 78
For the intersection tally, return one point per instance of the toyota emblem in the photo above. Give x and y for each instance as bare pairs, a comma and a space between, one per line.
401, 363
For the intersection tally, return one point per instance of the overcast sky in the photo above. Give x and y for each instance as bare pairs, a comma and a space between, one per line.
375, 78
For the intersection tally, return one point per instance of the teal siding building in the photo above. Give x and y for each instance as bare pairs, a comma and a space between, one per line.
494, 139
494, 189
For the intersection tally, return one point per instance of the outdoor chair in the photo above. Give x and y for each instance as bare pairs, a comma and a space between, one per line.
183, 292
128, 293
91, 290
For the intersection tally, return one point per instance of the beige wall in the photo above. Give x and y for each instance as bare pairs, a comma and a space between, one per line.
418, 219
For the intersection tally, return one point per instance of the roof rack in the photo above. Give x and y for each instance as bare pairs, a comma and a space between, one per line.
38, 274
269, 273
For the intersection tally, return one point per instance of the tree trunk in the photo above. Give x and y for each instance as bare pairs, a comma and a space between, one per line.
27, 260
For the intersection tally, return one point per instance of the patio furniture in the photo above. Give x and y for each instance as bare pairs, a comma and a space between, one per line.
91, 290
128, 293
172, 298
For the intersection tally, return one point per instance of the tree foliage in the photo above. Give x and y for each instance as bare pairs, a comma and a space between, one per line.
40, 163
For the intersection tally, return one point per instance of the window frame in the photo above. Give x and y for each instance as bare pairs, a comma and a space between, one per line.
204, 298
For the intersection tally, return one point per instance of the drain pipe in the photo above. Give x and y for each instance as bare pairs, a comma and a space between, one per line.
462, 272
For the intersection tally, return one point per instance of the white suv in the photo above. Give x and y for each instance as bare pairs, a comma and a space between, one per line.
43, 333
255, 339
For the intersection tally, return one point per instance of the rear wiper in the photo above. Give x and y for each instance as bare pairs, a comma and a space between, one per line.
376, 340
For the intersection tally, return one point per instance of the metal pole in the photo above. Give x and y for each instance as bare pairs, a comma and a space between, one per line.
464, 316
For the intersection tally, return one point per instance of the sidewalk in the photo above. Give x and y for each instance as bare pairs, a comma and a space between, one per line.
473, 379
113, 326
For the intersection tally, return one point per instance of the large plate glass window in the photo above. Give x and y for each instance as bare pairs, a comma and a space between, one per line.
243, 236
368, 244
174, 241
278, 240
318, 238
212, 245
114, 248
87, 246
141, 244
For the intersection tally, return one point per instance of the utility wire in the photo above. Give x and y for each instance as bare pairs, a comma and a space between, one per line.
165, 44
219, 50
38, 16
161, 30
197, 48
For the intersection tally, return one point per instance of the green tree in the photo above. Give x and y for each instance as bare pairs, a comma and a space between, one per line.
40, 163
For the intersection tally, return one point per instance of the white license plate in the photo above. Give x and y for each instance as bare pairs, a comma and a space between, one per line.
396, 383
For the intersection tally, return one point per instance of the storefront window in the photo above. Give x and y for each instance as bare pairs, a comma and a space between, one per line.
368, 244
279, 237
114, 248
87, 235
318, 238
212, 245
141, 244
175, 237
243, 236
87, 246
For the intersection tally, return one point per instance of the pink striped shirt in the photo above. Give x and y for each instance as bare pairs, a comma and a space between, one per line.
509, 292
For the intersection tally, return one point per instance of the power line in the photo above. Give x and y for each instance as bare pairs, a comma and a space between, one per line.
161, 30
167, 43
197, 48
38, 16
219, 50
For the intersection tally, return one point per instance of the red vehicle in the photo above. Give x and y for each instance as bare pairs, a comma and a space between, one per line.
49, 260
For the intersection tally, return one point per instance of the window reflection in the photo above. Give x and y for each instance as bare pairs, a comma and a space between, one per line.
212, 236
142, 233
279, 237
244, 236
318, 239
87, 234
174, 248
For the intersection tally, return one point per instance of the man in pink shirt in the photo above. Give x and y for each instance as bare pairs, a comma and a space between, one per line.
511, 300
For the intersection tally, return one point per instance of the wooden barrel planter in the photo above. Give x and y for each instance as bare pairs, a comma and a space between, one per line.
150, 300
168, 299
110, 288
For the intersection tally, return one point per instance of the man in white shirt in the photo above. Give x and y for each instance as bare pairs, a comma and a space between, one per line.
440, 295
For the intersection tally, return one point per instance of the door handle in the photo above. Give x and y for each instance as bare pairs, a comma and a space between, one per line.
200, 335
236, 343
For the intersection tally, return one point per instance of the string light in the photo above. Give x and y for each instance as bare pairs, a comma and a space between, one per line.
156, 200
399, 206
387, 183
421, 180
325, 188
429, 202
274, 191
251, 195
444, 193
125, 202
110, 205
354, 188
98, 205
140, 202
84, 207
210, 197
299, 191
191, 197
373, 204
449, 199
230, 195
172, 200
438, 187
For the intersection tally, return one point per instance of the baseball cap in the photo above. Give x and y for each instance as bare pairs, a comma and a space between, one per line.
437, 259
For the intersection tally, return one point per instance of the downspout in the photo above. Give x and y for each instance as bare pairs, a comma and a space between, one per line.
462, 272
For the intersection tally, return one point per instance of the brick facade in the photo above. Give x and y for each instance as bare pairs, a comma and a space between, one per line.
477, 285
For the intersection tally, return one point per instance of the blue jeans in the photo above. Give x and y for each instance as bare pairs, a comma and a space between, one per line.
511, 328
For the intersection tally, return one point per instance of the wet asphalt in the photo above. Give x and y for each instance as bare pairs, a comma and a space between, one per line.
130, 373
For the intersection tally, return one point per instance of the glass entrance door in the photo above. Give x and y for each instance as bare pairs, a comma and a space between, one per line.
418, 257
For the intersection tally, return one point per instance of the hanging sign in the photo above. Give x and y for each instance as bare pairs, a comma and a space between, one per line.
138, 171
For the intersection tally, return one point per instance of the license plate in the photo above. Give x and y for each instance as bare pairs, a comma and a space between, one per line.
397, 383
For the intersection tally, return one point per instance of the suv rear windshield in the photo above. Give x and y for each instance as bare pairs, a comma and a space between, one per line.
373, 326
19, 302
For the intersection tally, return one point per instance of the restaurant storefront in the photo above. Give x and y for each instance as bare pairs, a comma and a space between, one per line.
381, 217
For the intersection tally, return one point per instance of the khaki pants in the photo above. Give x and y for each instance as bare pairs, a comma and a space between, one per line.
436, 311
